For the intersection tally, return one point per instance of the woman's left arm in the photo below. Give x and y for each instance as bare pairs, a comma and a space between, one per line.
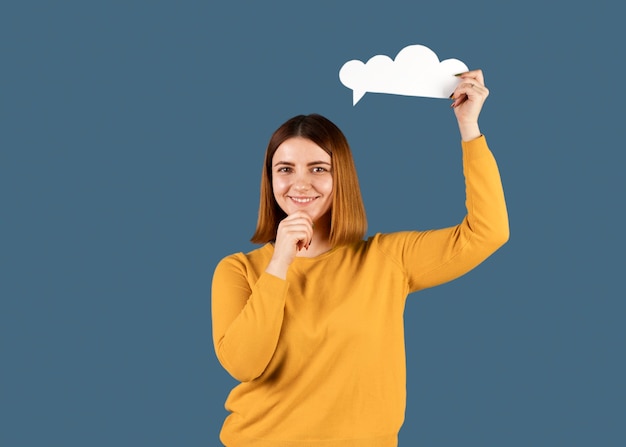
438, 256
434, 257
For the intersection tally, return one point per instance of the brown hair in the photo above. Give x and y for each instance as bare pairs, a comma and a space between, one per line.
348, 222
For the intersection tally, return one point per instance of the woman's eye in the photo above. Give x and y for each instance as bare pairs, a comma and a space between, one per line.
284, 169
319, 169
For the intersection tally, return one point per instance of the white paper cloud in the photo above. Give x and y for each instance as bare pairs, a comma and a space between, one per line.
416, 71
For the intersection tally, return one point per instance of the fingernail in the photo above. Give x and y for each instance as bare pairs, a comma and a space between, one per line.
451, 96
459, 74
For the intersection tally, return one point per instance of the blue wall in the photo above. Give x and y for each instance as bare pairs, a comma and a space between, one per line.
132, 136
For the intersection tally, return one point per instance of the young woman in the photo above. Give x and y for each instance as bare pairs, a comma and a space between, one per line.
311, 323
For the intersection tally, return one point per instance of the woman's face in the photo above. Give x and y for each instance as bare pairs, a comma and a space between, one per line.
301, 178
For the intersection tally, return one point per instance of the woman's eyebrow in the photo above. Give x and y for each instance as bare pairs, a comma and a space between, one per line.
288, 163
311, 163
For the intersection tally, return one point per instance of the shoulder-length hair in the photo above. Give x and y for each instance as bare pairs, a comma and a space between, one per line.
348, 221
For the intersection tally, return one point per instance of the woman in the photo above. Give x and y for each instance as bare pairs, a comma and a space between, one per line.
311, 323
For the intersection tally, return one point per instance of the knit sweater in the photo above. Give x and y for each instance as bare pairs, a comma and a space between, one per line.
320, 355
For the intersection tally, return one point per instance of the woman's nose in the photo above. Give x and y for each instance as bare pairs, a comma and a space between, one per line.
302, 182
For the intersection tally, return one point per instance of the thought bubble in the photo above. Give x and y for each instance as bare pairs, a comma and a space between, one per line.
416, 71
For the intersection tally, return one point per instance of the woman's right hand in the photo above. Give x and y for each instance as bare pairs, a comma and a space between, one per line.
294, 234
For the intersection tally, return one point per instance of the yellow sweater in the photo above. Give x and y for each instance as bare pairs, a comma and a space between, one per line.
320, 356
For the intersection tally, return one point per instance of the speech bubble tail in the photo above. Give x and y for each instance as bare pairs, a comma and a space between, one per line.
357, 95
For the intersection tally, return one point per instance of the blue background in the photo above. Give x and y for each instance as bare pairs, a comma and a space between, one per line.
132, 137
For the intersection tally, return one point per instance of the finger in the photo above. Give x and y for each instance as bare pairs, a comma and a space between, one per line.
298, 230
299, 216
300, 244
303, 220
293, 238
305, 241
469, 87
477, 75
458, 101
469, 91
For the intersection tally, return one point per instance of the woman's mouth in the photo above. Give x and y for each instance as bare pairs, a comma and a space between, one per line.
302, 200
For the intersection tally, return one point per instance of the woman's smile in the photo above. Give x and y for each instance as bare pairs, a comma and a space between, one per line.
302, 200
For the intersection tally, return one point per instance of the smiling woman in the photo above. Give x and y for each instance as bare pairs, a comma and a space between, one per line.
311, 323
313, 138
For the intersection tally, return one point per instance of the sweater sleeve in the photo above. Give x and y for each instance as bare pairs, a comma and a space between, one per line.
437, 256
247, 319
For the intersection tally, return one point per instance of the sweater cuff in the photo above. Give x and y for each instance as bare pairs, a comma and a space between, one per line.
271, 284
475, 148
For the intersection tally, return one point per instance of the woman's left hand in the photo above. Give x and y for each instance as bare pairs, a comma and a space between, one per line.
468, 99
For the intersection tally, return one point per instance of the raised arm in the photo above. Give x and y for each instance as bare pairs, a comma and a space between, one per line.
438, 256
434, 257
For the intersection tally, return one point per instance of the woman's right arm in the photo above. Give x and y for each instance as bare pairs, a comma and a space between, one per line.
247, 320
